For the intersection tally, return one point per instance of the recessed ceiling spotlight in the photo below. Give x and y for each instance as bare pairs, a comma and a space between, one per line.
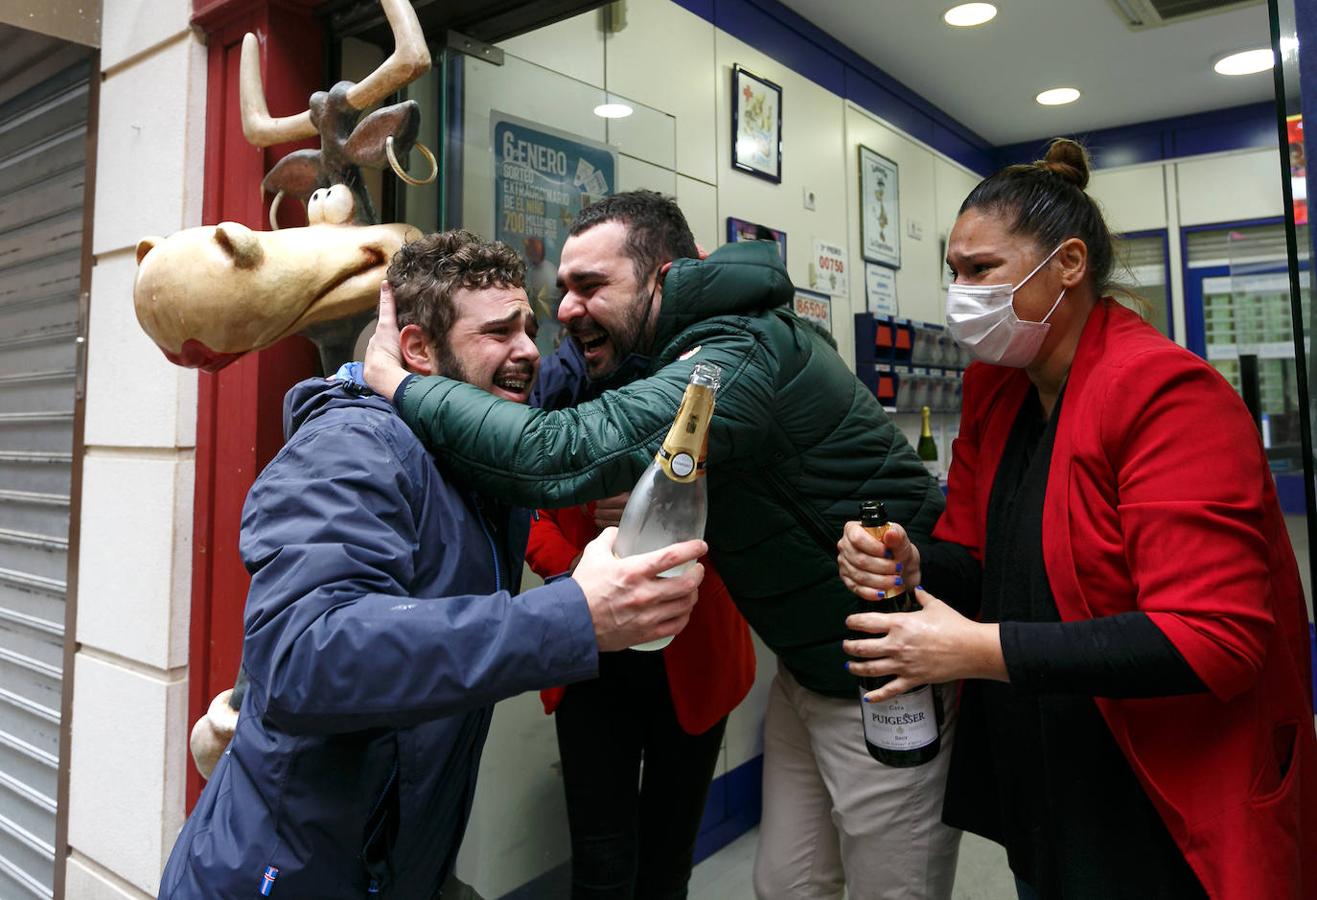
613, 110
1246, 62
968, 14
1058, 96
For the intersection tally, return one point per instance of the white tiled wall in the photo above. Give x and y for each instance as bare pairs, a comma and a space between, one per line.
149, 146
129, 725
123, 365
135, 502
128, 27
126, 781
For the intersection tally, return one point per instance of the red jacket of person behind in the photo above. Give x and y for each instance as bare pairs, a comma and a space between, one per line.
710, 664
1159, 499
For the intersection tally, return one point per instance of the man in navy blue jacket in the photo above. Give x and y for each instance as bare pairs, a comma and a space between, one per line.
382, 621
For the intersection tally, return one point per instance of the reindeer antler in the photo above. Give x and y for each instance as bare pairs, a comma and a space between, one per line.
409, 60
257, 126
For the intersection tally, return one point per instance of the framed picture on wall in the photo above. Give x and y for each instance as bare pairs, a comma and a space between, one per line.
880, 209
756, 125
741, 230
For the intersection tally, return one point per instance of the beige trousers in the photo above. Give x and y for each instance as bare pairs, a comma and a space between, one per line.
834, 817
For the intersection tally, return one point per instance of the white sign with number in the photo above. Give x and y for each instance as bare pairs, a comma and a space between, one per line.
828, 270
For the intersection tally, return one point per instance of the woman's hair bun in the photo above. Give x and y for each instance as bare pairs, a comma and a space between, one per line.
1068, 159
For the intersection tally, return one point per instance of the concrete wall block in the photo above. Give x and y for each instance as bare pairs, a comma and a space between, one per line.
149, 143
133, 590
126, 785
86, 882
135, 397
130, 26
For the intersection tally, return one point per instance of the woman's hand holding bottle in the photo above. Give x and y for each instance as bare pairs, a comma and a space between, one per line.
872, 567
932, 646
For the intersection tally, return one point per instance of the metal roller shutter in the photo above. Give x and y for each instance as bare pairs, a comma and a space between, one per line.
42, 172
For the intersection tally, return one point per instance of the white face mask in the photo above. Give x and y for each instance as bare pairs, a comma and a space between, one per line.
981, 317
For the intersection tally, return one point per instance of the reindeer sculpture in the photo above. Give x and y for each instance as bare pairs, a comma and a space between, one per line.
207, 295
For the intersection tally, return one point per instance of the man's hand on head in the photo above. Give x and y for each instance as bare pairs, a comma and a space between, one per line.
384, 369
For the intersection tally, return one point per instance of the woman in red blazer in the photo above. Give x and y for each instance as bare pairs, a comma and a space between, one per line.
1137, 718
634, 837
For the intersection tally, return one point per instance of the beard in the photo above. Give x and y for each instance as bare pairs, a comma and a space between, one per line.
625, 338
448, 365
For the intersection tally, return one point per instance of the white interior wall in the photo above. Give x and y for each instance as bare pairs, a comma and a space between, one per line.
688, 76
129, 725
518, 826
1225, 187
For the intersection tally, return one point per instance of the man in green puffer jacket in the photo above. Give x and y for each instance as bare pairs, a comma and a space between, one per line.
796, 442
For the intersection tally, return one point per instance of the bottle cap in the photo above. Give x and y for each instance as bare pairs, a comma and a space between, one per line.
707, 375
872, 513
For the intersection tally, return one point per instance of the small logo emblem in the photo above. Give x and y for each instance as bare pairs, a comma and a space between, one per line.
682, 465
689, 353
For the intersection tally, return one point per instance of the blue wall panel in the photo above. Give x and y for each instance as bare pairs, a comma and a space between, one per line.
1234, 128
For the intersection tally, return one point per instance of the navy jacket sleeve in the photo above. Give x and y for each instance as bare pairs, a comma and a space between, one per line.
562, 380
334, 640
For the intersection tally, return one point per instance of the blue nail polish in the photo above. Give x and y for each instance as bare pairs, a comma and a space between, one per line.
898, 580
899, 567
847, 665
865, 699
882, 595
889, 554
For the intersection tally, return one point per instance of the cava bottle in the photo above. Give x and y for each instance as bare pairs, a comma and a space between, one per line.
669, 503
927, 447
905, 730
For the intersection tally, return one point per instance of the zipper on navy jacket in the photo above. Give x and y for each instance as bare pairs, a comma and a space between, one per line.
493, 548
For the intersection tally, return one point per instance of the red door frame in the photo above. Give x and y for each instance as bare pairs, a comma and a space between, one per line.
239, 409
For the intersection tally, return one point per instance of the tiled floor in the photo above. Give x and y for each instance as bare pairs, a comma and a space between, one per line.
981, 874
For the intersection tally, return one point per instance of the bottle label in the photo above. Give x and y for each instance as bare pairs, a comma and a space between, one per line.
906, 722
682, 455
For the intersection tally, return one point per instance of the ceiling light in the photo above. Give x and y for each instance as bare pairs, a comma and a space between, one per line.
613, 110
1246, 62
1058, 96
968, 14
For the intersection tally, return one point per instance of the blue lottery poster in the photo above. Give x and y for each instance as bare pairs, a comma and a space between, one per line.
542, 179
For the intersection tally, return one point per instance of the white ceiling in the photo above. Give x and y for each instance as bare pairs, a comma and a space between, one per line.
987, 77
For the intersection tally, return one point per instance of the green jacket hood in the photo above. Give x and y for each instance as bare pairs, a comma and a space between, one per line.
736, 279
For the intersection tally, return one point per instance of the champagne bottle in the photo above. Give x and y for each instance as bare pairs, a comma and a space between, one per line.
903, 731
669, 503
927, 448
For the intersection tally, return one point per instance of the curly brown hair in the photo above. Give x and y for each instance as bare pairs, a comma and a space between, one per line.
426, 273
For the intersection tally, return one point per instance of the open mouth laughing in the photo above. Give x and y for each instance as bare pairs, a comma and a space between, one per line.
593, 343
514, 384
